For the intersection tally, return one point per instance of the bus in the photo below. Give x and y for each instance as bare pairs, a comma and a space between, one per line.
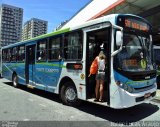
59, 62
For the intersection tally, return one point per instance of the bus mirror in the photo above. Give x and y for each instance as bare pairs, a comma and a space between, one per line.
119, 38
119, 42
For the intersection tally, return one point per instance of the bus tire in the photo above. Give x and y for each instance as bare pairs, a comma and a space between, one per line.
15, 80
68, 94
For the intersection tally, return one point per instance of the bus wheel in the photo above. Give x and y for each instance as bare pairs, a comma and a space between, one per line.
15, 80
68, 94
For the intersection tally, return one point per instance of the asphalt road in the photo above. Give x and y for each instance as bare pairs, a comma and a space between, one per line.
24, 104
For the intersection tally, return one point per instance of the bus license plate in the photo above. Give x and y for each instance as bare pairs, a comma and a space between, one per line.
147, 95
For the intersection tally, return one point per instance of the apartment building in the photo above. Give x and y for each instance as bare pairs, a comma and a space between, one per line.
11, 19
34, 27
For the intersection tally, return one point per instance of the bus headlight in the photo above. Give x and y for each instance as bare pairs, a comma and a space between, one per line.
128, 88
125, 87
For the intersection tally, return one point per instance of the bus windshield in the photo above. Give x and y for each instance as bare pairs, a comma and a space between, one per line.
136, 53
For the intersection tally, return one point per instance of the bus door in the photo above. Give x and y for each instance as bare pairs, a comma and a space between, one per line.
97, 40
30, 65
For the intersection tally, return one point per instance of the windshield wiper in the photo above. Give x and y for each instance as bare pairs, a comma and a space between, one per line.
140, 40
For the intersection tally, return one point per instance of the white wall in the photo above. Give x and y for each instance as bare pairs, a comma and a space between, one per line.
88, 12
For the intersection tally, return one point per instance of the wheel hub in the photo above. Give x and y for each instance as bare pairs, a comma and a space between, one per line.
70, 94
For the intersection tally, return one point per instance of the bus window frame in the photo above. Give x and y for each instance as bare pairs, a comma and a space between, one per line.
80, 31
13, 54
18, 48
37, 50
9, 55
4, 52
50, 49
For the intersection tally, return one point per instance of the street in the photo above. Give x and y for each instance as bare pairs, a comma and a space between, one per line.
24, 104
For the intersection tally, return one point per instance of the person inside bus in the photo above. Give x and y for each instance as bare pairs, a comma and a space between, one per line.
100, 76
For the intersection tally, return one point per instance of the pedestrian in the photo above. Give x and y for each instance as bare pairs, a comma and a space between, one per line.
100, 76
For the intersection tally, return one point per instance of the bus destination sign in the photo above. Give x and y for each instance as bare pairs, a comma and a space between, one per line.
136, 24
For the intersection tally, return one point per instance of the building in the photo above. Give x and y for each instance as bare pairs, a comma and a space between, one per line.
11, 19
33, 28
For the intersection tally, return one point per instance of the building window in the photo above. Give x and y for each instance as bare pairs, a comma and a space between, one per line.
73, 46
41, 50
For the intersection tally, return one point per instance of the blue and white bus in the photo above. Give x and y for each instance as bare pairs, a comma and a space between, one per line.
59, 62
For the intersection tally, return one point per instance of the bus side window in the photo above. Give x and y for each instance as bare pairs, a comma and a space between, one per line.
4, 55
9, 55
41, 50
14, 54
73, 46
21, 54
54, 48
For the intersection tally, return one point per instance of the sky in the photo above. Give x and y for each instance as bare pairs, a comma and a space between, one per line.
53, 11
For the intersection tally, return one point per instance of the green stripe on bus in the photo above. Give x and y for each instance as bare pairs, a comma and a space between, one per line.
40, 37
50, 34
51, 64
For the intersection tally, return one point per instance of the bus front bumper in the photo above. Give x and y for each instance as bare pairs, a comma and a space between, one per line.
126, 99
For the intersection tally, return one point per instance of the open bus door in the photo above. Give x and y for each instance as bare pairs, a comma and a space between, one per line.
97, 40
30, 65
